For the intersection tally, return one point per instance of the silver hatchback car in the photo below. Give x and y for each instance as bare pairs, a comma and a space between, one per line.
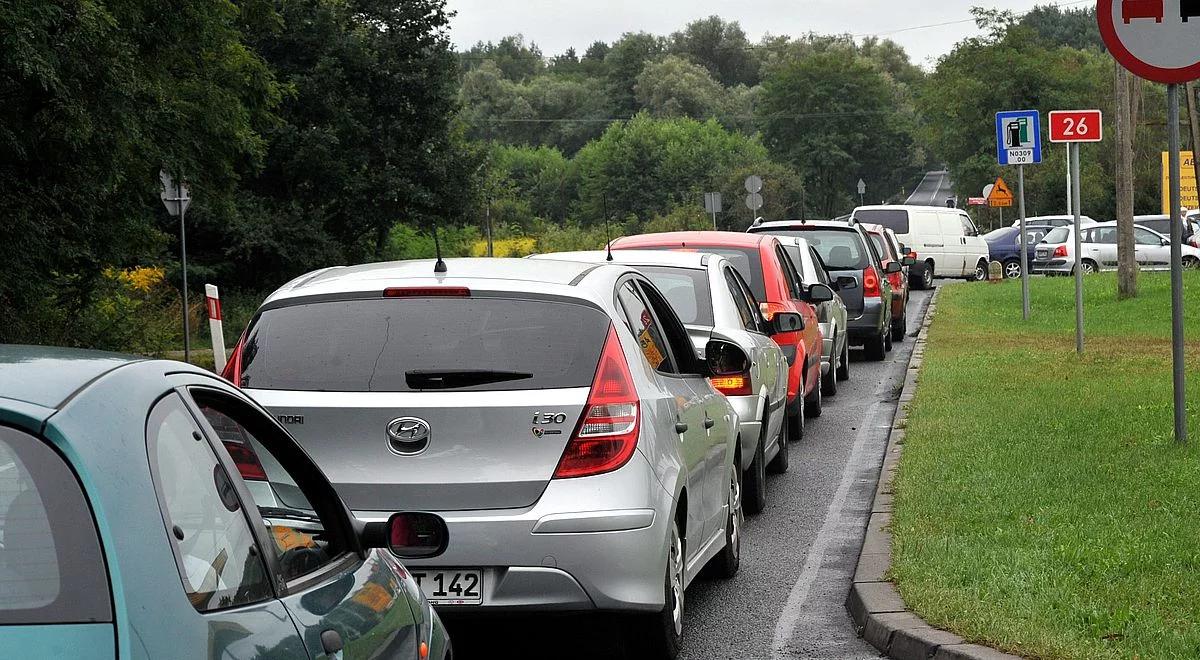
554, 414
831, 314
714, 302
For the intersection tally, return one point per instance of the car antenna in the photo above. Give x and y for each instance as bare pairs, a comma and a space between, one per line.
439, 266
607, 232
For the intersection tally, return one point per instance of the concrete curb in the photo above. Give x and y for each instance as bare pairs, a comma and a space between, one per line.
874, 603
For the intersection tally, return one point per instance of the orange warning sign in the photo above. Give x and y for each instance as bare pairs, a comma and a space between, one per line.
1001, 195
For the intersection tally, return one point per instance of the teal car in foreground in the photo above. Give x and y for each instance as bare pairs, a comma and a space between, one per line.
150, 510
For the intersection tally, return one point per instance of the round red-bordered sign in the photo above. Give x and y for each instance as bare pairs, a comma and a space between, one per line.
1107, 18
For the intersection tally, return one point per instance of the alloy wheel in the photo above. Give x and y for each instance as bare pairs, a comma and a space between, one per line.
735, 507
1012, 270
675, 561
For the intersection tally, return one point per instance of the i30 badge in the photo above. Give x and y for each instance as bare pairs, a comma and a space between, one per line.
408, 435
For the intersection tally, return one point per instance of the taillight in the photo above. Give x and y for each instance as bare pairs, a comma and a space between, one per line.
607, 432
427, 292
912, 253
246, 460
871, 283
894, 279
233, 369
1060, 251
738, 385
770, 309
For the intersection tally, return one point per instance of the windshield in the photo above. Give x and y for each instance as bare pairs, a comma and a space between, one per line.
415, 344
687, 291
1057, 235
840, 249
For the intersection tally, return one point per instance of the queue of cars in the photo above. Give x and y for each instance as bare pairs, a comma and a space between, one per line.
577, 432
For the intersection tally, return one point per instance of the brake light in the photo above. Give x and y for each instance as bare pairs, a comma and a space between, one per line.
732, 385
1060, 251
246, 460
871, 283
894, 279
427, 292
770, 309
233, 369
912, 253
607, 432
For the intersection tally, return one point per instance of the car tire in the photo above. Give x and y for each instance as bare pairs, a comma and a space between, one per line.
829, 380
875, 348
1090, 267
981, 272
812, 405
661, 633
900, 328
796, 418
1012, 269
843, 369
887, 339
754, 482
1191, 263
782, 460
725, 565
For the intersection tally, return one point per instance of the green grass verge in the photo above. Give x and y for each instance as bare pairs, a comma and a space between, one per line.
1041, 505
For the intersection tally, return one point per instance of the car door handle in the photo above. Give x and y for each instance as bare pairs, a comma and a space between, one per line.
681, 427
331, 640
709, 422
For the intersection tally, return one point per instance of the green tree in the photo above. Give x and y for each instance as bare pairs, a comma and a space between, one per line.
719, 46
624, 63
516, 60
674, 87
96, 98
1074, 28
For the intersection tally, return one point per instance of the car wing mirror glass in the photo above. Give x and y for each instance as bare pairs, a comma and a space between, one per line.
409, 535
909, 261
727, 359
892, 267
819, 293
847, 282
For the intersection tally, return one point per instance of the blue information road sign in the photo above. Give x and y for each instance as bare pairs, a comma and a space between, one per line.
1019, 137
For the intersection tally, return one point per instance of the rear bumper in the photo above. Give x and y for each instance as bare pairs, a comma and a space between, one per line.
589, 543
1053, 266
870, 323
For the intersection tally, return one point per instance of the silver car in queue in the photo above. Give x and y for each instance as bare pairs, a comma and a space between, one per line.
554, 414
831, 314
714, 302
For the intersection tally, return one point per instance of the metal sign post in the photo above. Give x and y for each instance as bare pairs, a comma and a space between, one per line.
176, 198
712, 204
1074, 127
1024, 244
1162, 48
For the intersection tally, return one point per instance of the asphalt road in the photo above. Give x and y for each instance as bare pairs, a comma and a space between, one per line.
798, 555
933, 190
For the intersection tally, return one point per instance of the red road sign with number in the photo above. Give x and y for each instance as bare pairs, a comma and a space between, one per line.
1076, 126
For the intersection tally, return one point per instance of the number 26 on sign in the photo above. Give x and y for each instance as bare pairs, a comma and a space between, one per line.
1076, 126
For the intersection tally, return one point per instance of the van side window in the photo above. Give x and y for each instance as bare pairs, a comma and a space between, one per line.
968, 226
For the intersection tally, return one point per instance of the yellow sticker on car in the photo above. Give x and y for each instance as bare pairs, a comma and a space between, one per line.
649, 349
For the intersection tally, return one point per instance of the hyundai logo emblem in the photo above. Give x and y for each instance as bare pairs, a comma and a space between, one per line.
408, 435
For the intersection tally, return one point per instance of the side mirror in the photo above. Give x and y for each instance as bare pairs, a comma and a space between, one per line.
909, 261
847, 282
409, 535
892, 267
788, 321
725, 358
1166, 241
819, 293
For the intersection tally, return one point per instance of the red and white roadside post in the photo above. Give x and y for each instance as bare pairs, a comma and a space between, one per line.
212, 303
1163, 48
1074, 127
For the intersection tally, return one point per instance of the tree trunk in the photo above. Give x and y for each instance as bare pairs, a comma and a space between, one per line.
1127, 268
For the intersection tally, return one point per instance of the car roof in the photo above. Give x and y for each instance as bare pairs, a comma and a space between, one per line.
500, 273
694, 239
764, 227
46, 376
672, 258
902, 207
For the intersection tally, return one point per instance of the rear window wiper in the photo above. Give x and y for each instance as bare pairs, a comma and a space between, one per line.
442, 379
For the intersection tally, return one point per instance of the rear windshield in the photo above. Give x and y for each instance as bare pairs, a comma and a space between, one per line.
745, 260
840, 249
417, 344
894, 219
1057, 235
687, 291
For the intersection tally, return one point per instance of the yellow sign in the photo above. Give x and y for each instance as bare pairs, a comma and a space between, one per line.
1001, 195
1187, 182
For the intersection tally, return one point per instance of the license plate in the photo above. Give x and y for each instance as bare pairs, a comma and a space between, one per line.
451, 587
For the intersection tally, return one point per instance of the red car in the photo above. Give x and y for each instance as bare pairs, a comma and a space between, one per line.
777, 286
1131, 9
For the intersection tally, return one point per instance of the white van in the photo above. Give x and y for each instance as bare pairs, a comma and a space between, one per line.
945, 241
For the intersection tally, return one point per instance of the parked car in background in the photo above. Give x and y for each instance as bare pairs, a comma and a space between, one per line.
1056, 252
1055, 221
130, 528
944, 241
890, 252
856, 267
777, 286
714, 302
1162, 225
555, 414
831, 314
1004, 245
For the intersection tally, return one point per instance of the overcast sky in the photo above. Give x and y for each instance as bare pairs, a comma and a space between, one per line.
555, 25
